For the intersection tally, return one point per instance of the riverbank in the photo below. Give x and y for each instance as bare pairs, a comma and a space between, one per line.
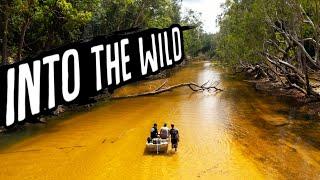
308, 106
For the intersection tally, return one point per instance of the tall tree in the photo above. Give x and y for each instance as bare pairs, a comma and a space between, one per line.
5, 10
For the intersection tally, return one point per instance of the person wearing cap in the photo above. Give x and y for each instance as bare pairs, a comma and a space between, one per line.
174, 134
164, 132
154, 131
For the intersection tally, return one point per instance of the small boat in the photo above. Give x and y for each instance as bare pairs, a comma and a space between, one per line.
157, 145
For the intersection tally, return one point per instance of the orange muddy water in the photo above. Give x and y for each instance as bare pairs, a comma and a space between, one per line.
235, 134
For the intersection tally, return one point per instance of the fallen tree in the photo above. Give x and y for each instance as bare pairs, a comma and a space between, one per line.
161, 89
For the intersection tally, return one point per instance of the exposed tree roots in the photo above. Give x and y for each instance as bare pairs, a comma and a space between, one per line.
287, 57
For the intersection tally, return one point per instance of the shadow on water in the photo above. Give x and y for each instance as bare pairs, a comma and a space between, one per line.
27, 130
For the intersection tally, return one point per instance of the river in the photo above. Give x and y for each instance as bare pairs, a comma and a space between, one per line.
235, 134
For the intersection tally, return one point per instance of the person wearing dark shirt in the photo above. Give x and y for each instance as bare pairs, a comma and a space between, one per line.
174, 134
154, 131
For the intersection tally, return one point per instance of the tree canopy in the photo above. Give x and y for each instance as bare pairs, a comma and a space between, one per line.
30, 26
279, 40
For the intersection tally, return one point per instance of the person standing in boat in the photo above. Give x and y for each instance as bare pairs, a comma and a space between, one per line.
164, 132
154, 131
174, 134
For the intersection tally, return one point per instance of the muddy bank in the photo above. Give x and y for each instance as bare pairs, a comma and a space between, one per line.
306, 105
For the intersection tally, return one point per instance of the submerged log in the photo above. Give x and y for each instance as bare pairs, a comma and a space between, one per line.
161, 89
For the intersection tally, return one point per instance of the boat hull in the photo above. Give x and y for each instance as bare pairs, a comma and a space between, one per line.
161, 146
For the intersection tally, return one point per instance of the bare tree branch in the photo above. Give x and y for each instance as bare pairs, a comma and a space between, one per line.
193, 86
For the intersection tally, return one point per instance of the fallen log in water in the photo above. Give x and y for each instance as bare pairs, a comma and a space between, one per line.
161, 89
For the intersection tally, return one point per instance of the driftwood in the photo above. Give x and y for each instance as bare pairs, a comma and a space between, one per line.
161, 89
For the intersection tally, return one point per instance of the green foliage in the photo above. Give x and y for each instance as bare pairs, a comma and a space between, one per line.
50, 23
242, 32
245, 26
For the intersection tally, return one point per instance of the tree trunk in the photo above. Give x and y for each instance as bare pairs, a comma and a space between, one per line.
136, 22
306, 74
5, 34
48, 43
25, 26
